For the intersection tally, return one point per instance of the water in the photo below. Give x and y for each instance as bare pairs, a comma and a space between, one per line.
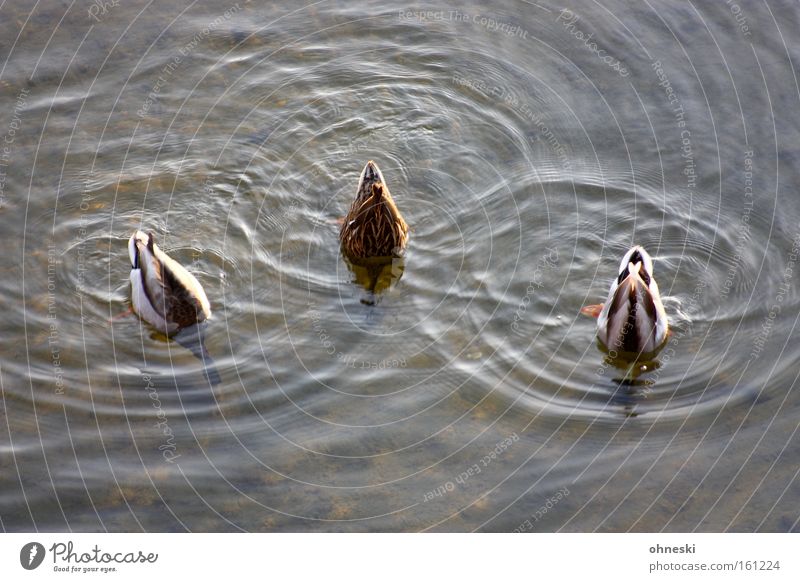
473, 396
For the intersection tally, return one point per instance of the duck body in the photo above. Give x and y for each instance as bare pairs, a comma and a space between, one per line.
163, 292
373, 228
633, 319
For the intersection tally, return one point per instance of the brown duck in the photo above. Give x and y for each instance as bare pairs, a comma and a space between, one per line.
373, 228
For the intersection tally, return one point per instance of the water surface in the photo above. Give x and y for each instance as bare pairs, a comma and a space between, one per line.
525, 156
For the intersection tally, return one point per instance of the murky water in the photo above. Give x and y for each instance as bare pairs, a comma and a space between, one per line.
528, 145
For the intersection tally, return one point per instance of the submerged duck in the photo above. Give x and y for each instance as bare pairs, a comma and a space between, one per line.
633, 319
163, 292
373, 228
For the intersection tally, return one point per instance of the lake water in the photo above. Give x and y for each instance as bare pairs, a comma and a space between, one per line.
528, 146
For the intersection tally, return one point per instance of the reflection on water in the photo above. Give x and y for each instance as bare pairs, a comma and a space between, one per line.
340, 397
376, 275
193, 339
632, 382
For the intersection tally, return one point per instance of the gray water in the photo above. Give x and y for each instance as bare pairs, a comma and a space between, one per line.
528, 145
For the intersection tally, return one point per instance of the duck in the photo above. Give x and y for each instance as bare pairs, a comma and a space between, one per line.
373, 227
633, 319
163, 292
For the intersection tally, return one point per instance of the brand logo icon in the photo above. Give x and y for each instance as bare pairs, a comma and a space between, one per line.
31, 555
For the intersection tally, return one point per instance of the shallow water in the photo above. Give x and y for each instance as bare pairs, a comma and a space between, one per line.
473, 395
